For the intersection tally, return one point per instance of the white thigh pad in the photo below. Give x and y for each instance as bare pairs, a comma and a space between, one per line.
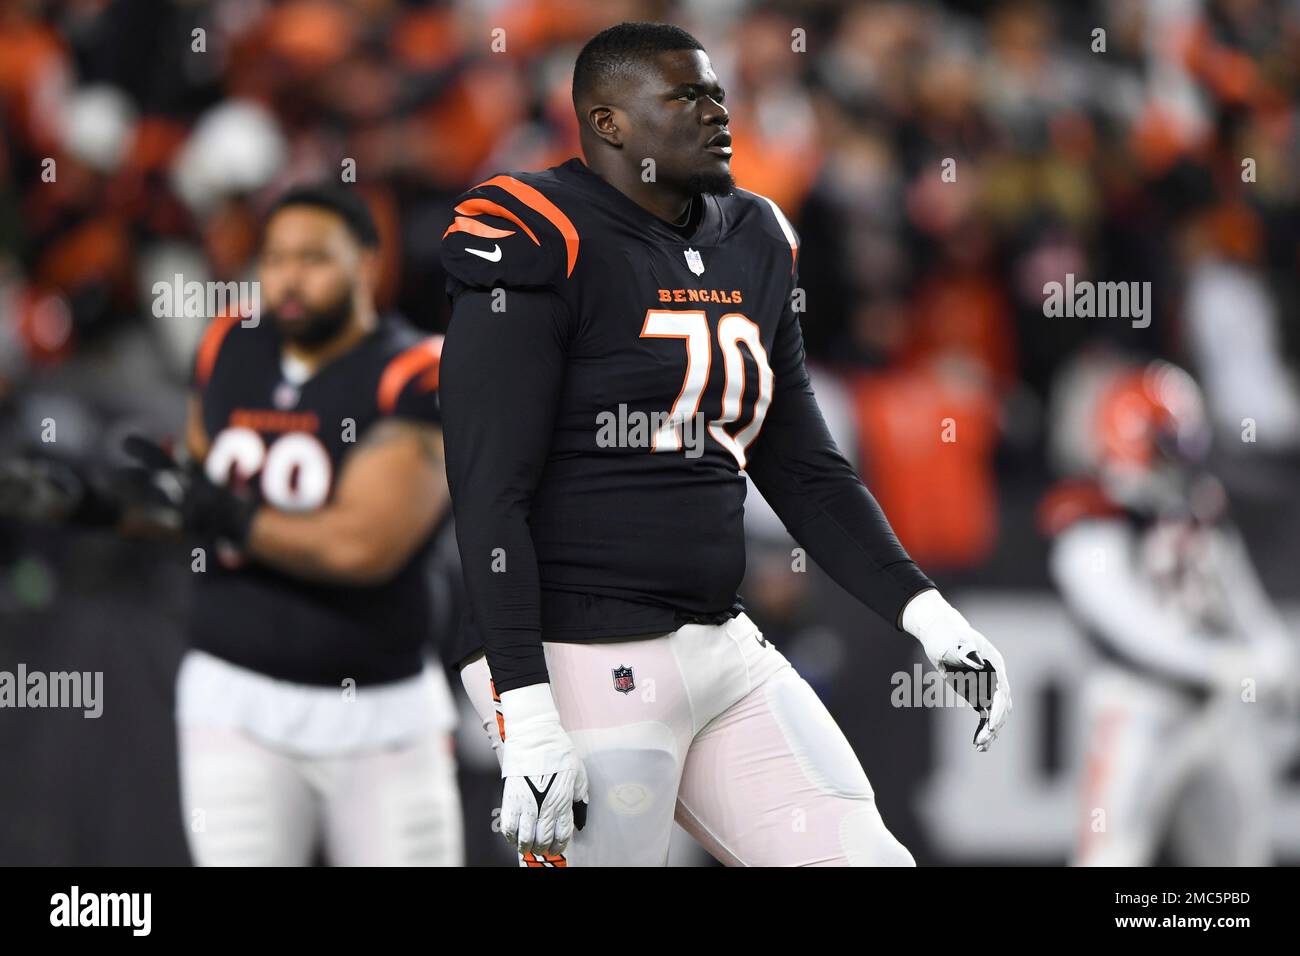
824, 755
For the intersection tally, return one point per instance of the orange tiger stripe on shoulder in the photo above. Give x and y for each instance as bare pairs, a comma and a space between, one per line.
476, 206
530, 197
476, 228
421, 359
210, 347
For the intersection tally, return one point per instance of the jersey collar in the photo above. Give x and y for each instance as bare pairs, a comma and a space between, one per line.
706, 232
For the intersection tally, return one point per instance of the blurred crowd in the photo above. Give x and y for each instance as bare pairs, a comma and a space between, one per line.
942, 162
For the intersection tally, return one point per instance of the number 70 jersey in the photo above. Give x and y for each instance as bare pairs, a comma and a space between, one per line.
677, 349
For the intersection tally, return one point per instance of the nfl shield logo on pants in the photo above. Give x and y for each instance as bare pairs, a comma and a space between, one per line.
694, 262
623, 682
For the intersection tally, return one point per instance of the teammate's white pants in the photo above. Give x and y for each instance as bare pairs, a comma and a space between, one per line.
1159, 765
387, 797
718, 732
247, 804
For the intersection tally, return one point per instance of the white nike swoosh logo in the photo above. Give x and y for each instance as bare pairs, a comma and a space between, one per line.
493, 256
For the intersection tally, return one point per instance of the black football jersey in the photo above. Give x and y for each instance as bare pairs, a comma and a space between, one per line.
680, 358
284, 444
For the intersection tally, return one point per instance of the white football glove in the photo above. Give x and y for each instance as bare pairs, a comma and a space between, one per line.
956, 648
544, 778
1271, 662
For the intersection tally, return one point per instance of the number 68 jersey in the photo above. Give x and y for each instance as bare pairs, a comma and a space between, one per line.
283, 441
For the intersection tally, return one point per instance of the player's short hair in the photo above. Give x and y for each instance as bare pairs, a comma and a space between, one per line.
622, 49
344, 203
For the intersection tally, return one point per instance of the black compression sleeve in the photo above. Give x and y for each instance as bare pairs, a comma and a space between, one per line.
820, 498
499, 386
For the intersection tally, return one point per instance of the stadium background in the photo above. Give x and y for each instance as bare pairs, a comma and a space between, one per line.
924, 301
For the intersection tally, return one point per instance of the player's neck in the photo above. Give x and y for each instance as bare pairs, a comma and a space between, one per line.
317, 356
667, 204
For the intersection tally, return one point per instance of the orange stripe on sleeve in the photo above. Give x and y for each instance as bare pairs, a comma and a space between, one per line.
476, 228
418, 359
486, 207
532, 198
501, 719
210, 347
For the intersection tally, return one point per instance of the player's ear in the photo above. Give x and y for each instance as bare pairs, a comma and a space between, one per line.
371, 263
604, 123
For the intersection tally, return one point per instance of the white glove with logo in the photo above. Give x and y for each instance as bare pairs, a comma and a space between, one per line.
957, 649
545, 782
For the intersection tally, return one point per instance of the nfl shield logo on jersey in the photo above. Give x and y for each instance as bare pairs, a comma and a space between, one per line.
694, 262
285, 396
623, 682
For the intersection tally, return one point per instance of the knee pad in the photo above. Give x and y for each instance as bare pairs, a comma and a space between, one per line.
866, 840
632, 775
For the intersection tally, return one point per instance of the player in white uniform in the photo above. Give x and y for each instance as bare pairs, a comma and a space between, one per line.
1193, 653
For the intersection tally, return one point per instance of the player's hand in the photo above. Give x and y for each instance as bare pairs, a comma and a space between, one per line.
48, 491
53, 491
205, 508
966, 659
545, 782
1270, 663
1280, 659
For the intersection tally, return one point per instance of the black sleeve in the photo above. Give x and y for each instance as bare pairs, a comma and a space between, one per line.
500, 382
819, 497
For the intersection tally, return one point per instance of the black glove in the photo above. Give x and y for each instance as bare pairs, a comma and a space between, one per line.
49, 491
204, 508
978, 693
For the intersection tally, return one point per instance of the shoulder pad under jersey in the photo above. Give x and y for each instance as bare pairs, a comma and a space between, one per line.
774, 223
506, 233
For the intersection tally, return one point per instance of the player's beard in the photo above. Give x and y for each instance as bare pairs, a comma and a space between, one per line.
317, 326
711, 183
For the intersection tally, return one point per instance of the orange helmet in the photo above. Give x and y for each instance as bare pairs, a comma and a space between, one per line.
1151, 414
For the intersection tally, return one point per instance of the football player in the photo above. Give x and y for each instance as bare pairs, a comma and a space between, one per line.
623, 344
309, 721
1192, 651
308, 714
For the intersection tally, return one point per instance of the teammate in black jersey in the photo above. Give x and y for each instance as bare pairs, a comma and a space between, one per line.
622, 345
308, 716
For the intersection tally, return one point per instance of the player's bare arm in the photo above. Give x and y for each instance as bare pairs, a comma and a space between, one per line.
390, 496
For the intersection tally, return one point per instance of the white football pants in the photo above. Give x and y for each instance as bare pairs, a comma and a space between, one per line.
711, 726
274, 773
247, 804
1159, 765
